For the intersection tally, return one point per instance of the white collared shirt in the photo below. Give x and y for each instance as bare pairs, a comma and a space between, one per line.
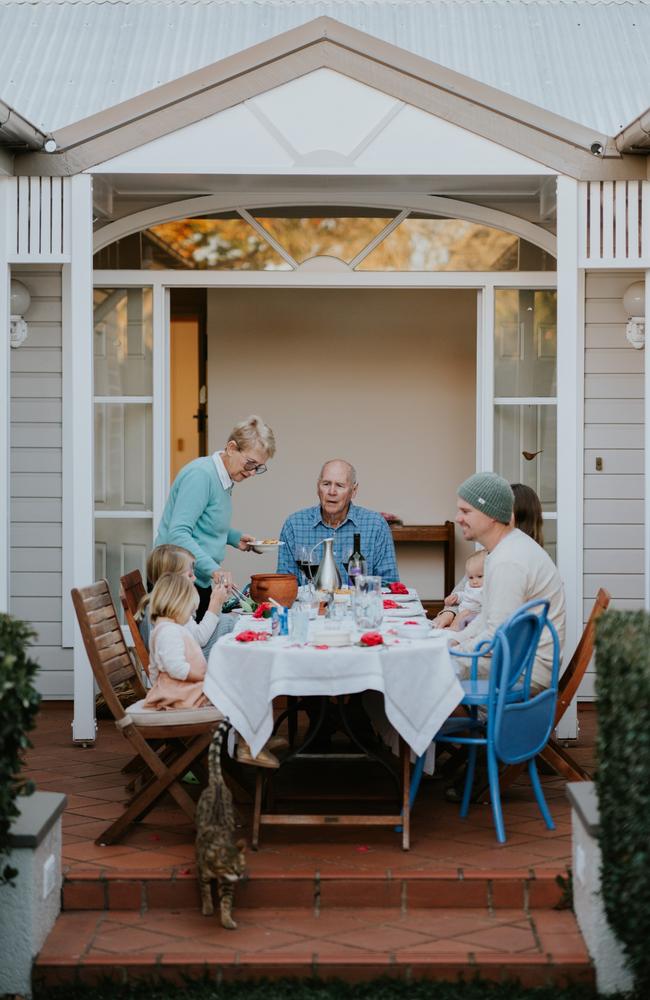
222, 472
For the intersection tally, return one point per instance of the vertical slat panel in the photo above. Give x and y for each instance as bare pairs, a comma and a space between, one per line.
35, 215
11, 209
23, 216
620, 220
633, 242
594, 221
645, 220
608, 220
56, 236
45, 243
583, 220
65, 202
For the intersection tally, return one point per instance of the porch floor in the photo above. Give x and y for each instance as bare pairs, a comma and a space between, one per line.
336, 901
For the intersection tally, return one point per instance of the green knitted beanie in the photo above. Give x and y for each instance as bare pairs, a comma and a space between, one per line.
489, 493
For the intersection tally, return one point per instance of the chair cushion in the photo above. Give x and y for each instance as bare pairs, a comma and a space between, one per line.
477, 692
143, 717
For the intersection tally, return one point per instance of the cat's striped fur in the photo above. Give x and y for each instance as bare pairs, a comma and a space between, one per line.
218, 856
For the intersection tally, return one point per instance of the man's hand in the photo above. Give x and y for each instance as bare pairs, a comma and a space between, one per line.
444, 619
245, 543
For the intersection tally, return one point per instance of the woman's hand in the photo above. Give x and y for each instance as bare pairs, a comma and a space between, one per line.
245, 542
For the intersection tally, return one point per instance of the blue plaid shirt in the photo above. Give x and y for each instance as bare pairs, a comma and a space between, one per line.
306, 527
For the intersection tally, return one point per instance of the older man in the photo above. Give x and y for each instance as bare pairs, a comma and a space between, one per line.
517, 570
336, 516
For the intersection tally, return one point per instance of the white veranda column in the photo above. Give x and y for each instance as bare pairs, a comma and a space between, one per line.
570, 420
78, 494
6, 188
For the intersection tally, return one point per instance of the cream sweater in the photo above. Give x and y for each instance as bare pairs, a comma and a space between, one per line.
517, 570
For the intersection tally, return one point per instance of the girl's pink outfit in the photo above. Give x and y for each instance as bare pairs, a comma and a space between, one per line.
174, 655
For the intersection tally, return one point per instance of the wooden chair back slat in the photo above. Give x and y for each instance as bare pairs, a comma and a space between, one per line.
112, 664
577, 667
132, 590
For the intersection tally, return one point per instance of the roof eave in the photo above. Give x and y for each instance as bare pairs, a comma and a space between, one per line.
635, 137
557, 142
17, 132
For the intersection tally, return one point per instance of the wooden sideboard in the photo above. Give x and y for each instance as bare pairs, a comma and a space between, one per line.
435, 534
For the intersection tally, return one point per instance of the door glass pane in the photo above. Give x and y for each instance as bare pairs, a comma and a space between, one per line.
428, 244
121, 545
123, 456
550, 538
525, 448
525, 342
334, 236
123, 341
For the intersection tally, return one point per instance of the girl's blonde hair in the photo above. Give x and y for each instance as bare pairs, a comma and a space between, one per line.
163, 559
251, 432
174, 596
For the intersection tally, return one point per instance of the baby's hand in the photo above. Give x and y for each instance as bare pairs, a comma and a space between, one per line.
451, 600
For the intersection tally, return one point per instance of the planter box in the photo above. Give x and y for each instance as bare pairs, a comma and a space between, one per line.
612, 974
29, 908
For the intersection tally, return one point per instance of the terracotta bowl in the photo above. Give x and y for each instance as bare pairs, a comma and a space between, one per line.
282, 587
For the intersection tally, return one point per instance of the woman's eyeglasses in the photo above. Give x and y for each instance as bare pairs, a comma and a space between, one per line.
251, 466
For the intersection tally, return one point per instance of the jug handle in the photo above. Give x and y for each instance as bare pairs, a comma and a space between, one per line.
313, 549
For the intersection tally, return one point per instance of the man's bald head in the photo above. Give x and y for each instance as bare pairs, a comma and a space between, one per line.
339, 468
337, 488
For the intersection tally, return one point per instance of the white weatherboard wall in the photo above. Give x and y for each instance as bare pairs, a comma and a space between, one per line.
36, 440
614, 431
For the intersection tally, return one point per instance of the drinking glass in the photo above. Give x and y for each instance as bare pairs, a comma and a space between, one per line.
368, 602
299, 623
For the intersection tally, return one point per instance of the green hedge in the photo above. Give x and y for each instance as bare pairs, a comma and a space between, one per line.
19, 703
623, 781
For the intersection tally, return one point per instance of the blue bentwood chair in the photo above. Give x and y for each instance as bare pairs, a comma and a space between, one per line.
514, 724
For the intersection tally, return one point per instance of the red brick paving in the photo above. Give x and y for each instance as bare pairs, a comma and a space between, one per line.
328, 901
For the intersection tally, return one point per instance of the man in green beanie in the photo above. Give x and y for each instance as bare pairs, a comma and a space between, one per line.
517, 570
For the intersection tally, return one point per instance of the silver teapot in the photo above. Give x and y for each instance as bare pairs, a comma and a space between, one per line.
327, 576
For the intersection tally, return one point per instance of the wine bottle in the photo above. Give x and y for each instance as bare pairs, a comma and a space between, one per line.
356, 562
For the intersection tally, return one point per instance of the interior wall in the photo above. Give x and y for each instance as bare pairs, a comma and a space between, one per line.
383, 378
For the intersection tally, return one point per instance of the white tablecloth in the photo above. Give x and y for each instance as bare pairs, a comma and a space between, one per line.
417, 680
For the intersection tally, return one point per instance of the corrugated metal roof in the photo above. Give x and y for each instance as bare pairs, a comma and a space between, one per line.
586, 60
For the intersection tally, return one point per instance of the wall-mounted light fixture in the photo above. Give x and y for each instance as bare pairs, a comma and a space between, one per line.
20, 301
634, 305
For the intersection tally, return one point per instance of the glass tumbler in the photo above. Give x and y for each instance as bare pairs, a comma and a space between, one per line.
368, 602
299, 623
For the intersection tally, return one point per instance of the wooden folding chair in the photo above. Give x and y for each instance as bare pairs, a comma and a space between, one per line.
168, 743
555, 755
132, 590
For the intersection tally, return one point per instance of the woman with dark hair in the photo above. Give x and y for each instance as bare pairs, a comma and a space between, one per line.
527, 512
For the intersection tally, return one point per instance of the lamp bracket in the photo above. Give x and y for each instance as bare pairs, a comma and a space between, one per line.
18, 331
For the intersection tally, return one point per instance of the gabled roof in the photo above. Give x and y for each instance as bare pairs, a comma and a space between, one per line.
542, 136
589, 60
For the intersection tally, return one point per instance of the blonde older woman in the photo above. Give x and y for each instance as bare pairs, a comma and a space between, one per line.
198, 511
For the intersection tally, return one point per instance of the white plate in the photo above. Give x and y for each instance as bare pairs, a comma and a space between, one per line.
419, 631
264, 546
403, 613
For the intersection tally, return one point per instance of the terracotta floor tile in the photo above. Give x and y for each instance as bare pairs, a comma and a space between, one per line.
118, 939
503, 938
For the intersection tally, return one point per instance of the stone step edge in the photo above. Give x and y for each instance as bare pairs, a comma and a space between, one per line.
144, 890
528, 970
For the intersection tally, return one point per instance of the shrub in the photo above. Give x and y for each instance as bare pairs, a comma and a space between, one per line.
623, 782
19, 703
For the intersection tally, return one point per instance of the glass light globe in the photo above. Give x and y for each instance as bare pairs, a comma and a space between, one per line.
634, 299
20, 298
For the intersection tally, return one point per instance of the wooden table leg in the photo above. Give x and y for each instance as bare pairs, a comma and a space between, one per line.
257, 809
405, 753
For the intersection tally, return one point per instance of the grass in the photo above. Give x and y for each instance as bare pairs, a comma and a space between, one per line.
384, 989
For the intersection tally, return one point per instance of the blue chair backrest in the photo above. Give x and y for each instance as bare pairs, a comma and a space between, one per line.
520, 729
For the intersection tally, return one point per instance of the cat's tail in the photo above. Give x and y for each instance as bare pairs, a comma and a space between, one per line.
214, 753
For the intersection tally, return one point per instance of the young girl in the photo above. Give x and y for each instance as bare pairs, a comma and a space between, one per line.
177, 665
174, 559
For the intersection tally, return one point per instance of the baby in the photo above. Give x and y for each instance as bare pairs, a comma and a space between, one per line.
466, 600
470, 598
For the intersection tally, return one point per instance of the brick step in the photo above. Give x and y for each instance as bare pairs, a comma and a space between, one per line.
537, 948
115, 889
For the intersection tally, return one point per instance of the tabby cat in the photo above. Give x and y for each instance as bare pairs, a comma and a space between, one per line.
217, 854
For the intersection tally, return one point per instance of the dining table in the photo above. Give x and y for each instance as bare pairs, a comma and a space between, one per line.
416, 678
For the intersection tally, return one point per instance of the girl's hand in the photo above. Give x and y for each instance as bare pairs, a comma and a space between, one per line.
220, 594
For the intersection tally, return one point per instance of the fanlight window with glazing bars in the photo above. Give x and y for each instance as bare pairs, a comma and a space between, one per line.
370, 240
